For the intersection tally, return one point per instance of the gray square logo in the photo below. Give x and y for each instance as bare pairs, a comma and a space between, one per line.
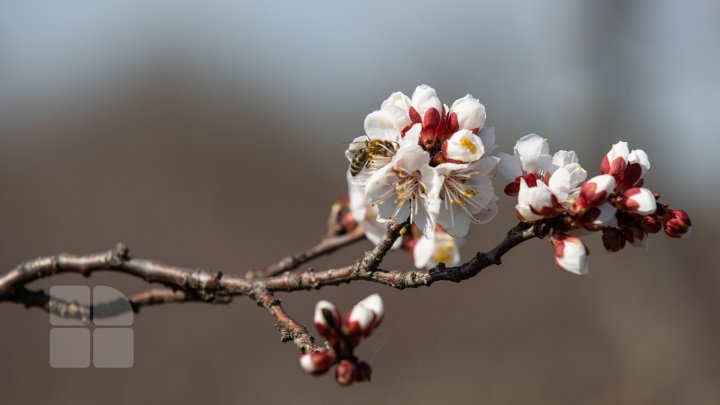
72, 345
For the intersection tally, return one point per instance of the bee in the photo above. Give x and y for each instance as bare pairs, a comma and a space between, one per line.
373, 148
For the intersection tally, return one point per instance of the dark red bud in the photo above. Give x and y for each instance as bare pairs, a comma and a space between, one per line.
651, 224
613, 239
363, 371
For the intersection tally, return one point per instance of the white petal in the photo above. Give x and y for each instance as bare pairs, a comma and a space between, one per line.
574, 256
380, 183
487, 135
464, 146
307, 364
641, 201
358, 202
488, 214
447, 168
362, 315
485, 165
454, 220
607, 216
533, 152
389, 211
533, 199
603, 183
565, 180
381, 125
423, 98
564, 157
470, 112
410, 158
620, 150
509, 167
373, 303
424, 220
318, 316
398, 107
422, 252
412, 136
640, 157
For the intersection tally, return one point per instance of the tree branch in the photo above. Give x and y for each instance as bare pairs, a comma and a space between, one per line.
209, 286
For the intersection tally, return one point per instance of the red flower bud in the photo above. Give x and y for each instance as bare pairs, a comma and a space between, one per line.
317, 362
327, 320
651, 224
595, 192
679, 224
345, 373
365, 316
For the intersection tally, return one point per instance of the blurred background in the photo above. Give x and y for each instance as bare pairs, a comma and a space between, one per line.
210, 134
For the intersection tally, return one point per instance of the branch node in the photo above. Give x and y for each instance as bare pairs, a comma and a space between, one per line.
117, 256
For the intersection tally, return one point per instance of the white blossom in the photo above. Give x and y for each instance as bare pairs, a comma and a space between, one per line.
442, 248
535, 203
400, 189
571, 254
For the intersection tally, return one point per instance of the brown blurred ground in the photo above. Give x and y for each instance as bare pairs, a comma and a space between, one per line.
216, 181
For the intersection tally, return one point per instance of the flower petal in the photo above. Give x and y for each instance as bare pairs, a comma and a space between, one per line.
509, 167
463, 146
533, 152
397, 106
487, 135
424, 98
470, 113
381, 125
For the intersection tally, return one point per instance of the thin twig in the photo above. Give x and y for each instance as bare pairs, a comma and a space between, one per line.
325, 246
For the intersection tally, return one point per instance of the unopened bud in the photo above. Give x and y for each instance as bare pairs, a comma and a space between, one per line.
597, 218
365, 316
613, 239
570, 253
651, 224
595, 192
363, 371
327, 320
640, 201
345, 373
317, 362
679, 224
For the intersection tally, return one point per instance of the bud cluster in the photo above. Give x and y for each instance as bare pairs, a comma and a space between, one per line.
553, 190
342, 336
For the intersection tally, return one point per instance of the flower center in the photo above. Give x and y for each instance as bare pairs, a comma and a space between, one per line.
407, 189
466, 143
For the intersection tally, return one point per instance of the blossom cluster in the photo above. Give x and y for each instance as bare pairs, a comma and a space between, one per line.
342, 337
424, 161
428, 163
554, 189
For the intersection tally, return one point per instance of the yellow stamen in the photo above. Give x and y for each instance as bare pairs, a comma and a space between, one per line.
466, 143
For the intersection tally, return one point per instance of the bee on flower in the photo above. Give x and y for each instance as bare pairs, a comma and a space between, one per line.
436, 171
